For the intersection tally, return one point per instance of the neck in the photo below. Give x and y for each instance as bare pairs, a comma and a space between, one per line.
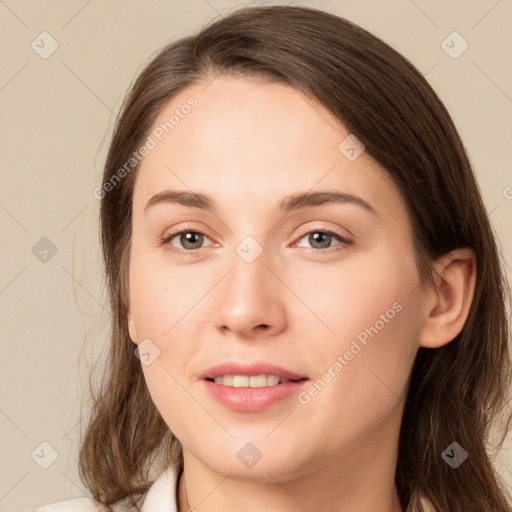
363, 482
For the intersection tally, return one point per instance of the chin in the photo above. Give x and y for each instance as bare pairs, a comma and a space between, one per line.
258, 461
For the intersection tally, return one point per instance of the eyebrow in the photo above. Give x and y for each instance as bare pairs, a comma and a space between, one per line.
289, 203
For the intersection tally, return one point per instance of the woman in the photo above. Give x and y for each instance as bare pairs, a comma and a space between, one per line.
309, 306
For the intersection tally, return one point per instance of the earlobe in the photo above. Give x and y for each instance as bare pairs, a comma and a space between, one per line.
448, 302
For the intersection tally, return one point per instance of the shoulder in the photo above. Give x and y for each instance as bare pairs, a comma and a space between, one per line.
161, 497
77, 505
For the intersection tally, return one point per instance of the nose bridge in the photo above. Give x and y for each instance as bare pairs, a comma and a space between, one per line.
250, 295
249, 278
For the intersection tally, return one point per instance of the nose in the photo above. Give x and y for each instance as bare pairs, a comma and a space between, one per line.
250, 299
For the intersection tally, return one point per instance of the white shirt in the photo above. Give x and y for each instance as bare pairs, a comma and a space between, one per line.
161, 497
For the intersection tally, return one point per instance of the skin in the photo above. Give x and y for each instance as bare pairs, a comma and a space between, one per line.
247, 145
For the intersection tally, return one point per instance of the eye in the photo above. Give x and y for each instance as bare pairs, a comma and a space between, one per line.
321, 240
190, 240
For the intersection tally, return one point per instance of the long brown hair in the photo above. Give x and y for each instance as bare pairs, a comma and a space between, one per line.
457, 392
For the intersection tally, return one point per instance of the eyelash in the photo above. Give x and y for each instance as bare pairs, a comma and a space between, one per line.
344, 242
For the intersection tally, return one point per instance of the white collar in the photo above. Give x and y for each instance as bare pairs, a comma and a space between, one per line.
161, 496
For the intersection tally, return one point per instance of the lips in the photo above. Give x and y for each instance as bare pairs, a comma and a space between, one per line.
251, 399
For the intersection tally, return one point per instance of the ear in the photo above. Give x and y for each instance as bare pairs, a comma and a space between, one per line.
447, 303
132, 329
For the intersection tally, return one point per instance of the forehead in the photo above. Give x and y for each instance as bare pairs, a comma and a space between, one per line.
245, 140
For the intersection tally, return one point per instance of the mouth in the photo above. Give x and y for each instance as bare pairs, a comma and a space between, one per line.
251, 381
251, 387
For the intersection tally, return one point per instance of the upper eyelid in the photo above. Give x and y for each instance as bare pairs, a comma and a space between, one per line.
326, 230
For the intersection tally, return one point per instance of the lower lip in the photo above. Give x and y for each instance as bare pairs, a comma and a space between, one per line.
252, 399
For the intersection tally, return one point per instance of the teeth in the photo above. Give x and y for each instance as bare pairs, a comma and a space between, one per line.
228, 380
272, 380
258, 381
240, 381
244, 381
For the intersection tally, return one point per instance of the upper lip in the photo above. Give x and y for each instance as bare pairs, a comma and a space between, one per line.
249, 369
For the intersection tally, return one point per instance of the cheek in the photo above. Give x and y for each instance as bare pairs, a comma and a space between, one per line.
350, 296
161, 296
381, 316
364, 367
169, 395
167, 310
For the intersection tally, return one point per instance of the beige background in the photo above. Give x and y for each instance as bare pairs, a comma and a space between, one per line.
57, 116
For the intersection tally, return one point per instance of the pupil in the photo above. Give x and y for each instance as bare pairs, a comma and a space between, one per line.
189, 239
318, 235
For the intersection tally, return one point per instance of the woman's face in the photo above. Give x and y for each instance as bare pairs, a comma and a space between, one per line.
264, 289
